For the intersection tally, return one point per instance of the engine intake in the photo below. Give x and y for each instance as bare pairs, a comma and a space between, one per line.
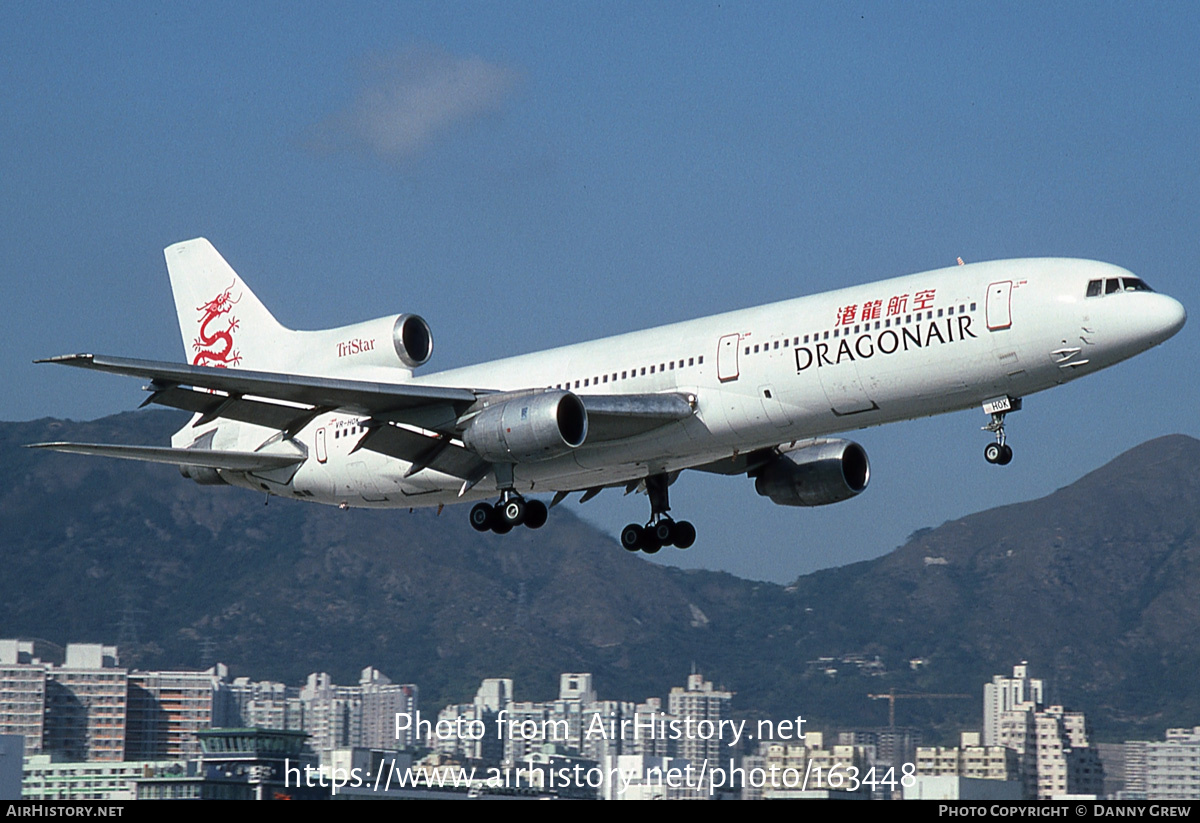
412, 339
530, 428
815, 474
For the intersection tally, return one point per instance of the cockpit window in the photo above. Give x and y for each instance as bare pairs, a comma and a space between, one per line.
1116, 284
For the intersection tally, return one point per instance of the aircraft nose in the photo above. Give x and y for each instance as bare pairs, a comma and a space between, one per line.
1168, 316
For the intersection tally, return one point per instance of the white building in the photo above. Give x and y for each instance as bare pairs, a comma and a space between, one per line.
700, 703
1055, 756
1004, 694
1164, 770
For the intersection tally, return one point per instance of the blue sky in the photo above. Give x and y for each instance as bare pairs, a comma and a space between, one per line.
526, 175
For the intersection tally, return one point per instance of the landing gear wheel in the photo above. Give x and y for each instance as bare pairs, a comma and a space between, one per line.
536, 514
663, 532
685, 534
650, 544
1005, 455
512, 511
631, 537
482, 516
500, 527
992, 453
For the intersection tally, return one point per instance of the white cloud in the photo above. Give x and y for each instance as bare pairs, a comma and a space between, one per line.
410, 98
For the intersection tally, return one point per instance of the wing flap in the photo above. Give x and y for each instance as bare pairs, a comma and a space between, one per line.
207, 458
423, 451
289, 419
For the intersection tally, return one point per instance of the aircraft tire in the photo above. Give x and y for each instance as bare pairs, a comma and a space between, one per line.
664, 532
1006, 455
512, 511
536, 514
482, 515
631, 537
992, 453
685, 534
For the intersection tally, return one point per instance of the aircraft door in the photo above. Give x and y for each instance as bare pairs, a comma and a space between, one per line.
727, 358
999, 306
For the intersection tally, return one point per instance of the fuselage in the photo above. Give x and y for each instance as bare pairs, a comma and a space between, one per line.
843, 360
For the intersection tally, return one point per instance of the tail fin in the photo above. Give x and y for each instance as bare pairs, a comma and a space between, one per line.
223, 324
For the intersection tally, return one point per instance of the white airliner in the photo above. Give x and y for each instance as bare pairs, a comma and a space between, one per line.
337, 416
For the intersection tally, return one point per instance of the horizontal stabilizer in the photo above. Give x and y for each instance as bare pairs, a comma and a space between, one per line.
207, 458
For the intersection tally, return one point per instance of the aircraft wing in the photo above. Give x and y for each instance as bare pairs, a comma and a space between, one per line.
288, 403
356, 396
207, 458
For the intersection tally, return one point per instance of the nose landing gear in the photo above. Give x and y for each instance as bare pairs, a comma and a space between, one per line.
999, 453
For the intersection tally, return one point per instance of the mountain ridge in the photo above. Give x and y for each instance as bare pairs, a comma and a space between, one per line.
1095, 584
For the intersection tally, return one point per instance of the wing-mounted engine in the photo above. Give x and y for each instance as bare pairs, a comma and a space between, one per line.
527, 428
815, 473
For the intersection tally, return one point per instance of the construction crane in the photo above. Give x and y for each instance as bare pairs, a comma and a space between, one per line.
891, 697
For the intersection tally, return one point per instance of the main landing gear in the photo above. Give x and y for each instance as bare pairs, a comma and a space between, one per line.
512, 510
999, 453
662, 530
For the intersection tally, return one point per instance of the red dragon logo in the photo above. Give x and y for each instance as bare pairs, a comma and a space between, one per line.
215, 348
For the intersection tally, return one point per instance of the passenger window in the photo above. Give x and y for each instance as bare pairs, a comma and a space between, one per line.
1112, 284
1093, 288
700, 360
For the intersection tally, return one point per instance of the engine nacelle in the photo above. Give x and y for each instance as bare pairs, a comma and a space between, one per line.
815, 474
203, 475
528, 428
397, 340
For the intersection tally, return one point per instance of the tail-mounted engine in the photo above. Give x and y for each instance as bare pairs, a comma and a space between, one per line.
398, 340
815, 473
527, 428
